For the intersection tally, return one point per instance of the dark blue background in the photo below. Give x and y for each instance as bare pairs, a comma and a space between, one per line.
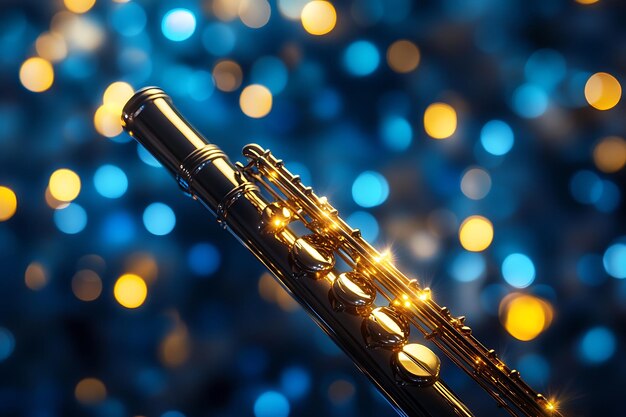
473, 56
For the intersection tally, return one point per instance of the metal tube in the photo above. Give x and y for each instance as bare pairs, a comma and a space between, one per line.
205, 173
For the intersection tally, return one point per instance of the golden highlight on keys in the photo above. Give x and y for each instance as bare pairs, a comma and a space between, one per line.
354, 292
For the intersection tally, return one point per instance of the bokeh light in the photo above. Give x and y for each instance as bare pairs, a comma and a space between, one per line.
90, 391
468, 267
530, 101
291, 9
546, 68
270, 72
117, 95
423, 244
403, 56
86, 285
64, 185
476, 183
609, 154
107, 120
128, 19
518, 270
226, 10
79, 6
370, 189
53, 202
318, 17
36, 276
349, 84
227, 75
203, 259
361, 58
497, 137
597, 345
327, 104
255, 101
7, 343
440, 120
586, 187
175, 346
82, 33
70, 219
271, 404
295, 382
525, 316
178, 24
603, 91
110, 181
130, 290
8, 203
36, 74
143, 264
609, 198
117, 228
159, 219
396, 133
614, 260
51, 46
476, 233
254, 13
219, 38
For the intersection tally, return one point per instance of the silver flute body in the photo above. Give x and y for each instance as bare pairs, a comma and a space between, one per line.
353, 292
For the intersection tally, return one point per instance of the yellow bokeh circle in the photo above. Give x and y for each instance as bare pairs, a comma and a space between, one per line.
36, 74
603, 91
318, 17
440, 120
525, 316
609, 154
64, 185
107, 120
117, 95
476, 233
255, 101
79, 6
8, 203
130, 290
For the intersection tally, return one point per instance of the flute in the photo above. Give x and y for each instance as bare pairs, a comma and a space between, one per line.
258, 201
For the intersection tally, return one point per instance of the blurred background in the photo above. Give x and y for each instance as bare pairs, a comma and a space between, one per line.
481, 140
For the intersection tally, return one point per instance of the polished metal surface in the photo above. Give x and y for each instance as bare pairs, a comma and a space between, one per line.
354, 292
417, 364
310, 259
275, 218
386, 328
258, 201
